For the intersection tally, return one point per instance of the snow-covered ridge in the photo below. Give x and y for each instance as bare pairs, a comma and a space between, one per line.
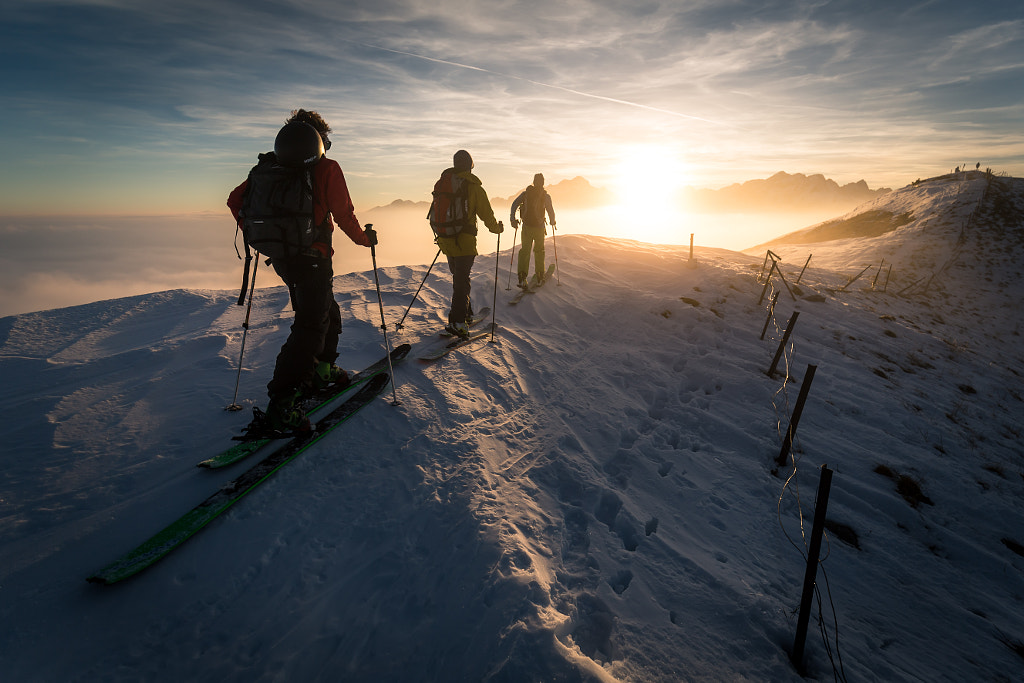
592, 497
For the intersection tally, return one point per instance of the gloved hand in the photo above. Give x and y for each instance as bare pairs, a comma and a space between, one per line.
371, 234
515, 224
553, 226
498, 230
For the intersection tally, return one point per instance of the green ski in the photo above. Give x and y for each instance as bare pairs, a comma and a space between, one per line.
244, 449
230, 493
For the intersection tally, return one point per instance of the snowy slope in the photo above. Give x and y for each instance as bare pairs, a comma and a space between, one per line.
592, 497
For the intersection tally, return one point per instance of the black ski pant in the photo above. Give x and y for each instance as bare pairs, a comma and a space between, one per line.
462, 309
317, 325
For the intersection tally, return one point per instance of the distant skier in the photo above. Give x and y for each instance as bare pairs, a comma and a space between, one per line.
459, 199
307, 360
532, 205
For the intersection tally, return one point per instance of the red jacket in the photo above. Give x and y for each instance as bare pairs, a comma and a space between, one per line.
330, 195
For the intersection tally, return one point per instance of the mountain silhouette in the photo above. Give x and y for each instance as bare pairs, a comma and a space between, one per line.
782, 192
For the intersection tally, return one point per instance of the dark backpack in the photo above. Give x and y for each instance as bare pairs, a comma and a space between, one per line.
277, 209
449, 212
533, 206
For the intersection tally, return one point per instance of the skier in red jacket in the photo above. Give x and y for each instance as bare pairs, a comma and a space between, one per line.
307, 359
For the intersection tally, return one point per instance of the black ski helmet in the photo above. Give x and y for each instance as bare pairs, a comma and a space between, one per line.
298, 144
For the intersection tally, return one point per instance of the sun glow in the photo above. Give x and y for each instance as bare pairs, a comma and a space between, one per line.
648, 181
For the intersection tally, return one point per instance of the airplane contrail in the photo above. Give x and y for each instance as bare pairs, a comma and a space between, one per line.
538, 83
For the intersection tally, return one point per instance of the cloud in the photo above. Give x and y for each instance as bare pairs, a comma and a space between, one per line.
185, 94
991, 39
52, 262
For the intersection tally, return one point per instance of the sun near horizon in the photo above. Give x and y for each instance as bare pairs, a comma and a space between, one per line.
648, 184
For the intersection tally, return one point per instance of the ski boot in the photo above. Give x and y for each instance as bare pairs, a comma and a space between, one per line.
329, 376
285, 414
283, 418
457, 329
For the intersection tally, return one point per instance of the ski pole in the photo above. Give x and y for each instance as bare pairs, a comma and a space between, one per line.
245, 332
512, 256
383, 325
494, 304
414, 296
554, 241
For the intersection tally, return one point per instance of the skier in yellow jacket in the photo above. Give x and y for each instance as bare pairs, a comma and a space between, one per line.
460, 249
532, 204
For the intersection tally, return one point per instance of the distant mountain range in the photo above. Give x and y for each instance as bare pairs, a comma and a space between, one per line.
780, 192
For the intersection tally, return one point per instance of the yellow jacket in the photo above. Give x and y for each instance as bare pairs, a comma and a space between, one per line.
464, 243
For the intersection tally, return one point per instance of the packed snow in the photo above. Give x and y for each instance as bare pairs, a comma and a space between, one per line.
593, 495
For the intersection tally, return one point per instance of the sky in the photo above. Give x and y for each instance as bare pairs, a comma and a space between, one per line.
125, 124
147, 108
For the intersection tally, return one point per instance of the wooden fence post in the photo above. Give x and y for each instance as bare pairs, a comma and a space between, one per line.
855, 278
912, 284
768, 281
874, 282
788, 289
810, 576
798, 410
806, 263
782, 344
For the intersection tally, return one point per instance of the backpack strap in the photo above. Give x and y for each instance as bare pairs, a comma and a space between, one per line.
248, 258
323, 229
245, 268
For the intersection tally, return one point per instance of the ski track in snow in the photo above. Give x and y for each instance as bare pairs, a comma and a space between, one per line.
592, 497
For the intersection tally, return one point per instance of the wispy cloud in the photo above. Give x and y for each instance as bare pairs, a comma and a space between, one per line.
115, 84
